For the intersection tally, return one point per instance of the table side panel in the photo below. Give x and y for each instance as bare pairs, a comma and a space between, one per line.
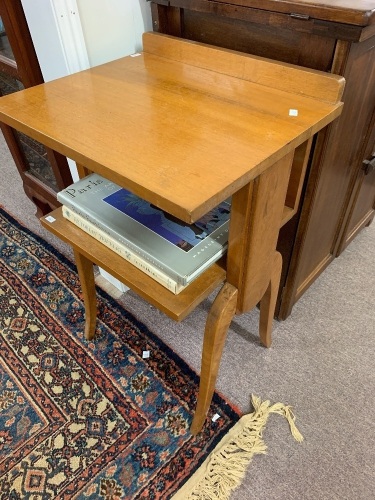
254, 229
266, 72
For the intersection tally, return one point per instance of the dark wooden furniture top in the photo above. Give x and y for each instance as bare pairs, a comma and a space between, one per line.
361, 13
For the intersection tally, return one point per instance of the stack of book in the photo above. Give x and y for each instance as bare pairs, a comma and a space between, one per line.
170, 251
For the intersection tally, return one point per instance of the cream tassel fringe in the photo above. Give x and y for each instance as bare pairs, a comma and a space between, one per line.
225, 467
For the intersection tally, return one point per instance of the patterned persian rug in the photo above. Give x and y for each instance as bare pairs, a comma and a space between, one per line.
88, 420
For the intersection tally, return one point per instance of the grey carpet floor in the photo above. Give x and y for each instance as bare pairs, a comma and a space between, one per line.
321, 362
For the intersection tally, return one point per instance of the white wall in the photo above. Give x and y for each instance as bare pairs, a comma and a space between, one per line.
70, 35
114, 28
40, 18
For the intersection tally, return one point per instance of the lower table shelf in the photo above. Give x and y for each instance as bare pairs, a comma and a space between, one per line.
176, 307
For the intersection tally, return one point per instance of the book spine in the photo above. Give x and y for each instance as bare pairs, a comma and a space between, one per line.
121, 250
91, 217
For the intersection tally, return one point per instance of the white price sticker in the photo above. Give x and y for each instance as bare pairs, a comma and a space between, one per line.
146, 354
49, 218
293, 112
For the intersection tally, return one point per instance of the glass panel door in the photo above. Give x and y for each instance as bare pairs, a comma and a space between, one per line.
5, 48
43, 171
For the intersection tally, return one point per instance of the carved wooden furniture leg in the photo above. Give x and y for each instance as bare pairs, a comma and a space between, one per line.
268, 302
86, 275
218, 321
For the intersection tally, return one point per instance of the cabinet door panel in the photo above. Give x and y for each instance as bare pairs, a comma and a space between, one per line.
362, 203
295, 47
364, 208
339, 164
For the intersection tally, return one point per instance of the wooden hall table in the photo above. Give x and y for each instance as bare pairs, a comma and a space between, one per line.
185, 126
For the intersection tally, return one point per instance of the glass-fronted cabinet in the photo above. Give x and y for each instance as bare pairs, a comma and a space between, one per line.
43, 171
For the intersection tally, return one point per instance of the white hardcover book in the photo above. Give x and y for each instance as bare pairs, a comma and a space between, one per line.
180, 250
122, 250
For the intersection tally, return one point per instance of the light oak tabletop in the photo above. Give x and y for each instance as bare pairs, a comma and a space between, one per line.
180, 135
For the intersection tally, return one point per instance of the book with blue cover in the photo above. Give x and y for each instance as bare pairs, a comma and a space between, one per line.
179, 249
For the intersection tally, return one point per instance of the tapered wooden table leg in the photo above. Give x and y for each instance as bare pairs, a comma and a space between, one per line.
218, 321
268, 302
86, 275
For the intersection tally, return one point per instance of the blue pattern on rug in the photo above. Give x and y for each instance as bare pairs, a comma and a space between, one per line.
88, 419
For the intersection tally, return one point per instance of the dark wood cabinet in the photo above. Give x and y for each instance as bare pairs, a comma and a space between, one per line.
334, 36
43, 171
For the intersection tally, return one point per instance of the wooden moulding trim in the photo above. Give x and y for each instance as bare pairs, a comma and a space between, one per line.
286, 77
40, 187
300, 160
367, 33
340, 57
360, 14
20, 40
9, 66
285, 20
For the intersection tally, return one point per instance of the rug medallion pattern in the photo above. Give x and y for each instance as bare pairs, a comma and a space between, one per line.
87, 419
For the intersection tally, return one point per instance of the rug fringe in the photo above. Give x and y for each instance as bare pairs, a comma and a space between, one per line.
225, 467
